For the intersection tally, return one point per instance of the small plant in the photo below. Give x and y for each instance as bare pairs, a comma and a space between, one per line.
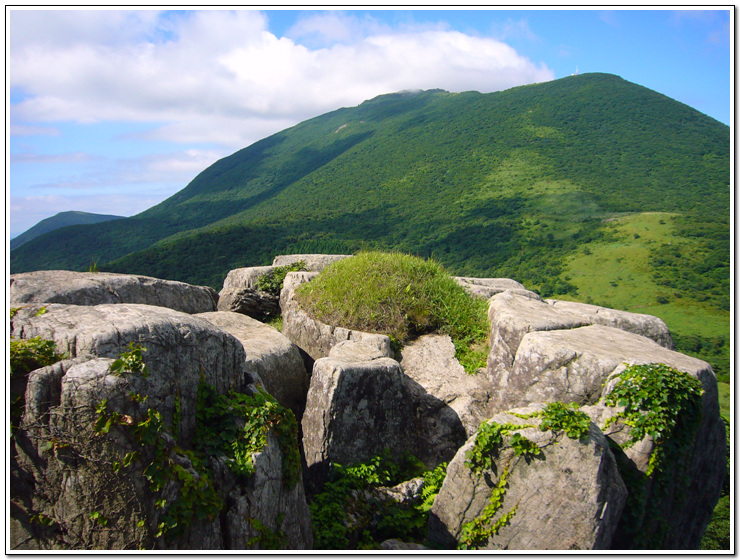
29, 354
272, 282
566, 417
130, 361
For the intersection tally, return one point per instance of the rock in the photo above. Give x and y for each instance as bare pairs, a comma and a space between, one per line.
270, 357
449, 403
407, 492
395, 544
514, 314
569, 497
95, 288
250, 302
572, 365
312, 336
248, 277
355, 409
313, 262
487, 287
696, 479
73, 486
638, 323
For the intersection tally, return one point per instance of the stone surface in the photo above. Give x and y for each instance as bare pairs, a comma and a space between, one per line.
487, 287
95, 288
247, 277
449, 403
312, 336
570, 497
313, 262
270, 357
63, 468
355, 409
572, 365
250, 302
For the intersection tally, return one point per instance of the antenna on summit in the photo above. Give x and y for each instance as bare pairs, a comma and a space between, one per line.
576, 73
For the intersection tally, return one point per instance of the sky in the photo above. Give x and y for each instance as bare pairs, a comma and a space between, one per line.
112, 111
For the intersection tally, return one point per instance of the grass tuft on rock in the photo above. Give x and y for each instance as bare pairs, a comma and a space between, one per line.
403, 297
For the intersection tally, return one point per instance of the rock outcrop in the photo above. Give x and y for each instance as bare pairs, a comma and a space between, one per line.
95, 288
569, 496
487, 287
271, 359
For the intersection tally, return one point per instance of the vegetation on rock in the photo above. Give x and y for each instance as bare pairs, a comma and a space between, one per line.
401, 296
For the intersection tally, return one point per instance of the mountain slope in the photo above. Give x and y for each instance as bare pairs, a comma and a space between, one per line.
502, 183
60, 220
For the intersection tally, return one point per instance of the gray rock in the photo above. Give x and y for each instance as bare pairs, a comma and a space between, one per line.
95, 288
514, 313
250, 302
313, 262
572, 365
355, 409
487, 287
570, 497
64, 470
311, 335
396, 544
248, 277
450, 403
270, 358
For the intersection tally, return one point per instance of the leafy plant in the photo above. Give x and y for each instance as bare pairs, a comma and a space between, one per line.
130, 361
566, 417
28, 354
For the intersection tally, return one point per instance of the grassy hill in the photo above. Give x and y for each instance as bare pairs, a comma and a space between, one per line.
60, 220
587, 187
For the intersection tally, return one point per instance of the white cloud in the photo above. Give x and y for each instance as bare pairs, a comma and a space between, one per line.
185, 70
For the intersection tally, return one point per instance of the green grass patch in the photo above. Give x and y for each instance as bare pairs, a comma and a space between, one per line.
401, 296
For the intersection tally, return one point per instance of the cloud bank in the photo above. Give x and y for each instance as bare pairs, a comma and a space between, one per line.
223, 77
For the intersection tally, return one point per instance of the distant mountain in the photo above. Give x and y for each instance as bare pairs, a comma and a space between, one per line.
63, 219
507, 183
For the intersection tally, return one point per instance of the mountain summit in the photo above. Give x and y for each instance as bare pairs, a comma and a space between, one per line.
485, 183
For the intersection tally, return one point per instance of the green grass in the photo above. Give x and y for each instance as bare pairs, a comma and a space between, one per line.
401, 296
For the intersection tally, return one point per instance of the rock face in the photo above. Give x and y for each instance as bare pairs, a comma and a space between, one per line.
312, 336
104, 460
240, 294
270, 358
313, 262
515, 313
487, 287
449, 403
95, 288
570, 496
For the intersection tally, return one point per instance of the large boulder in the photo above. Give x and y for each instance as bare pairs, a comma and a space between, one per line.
95, 288
357, 406
514, 313
105, 459
240, 293
487, 287
311, 335
449, 403
270, 357
569, 496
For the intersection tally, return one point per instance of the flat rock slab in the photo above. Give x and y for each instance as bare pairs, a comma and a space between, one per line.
95, 288
569, 497
314, 262
487, 287
270, 358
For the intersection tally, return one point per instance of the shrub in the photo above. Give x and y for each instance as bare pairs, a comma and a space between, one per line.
29, 354
272, 282
401, 296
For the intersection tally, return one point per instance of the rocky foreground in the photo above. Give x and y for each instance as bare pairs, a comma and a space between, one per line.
103, 458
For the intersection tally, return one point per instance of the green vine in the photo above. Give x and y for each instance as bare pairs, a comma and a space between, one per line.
272, 282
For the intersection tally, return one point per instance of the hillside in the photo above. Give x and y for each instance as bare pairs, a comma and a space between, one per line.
520, 183
60, 220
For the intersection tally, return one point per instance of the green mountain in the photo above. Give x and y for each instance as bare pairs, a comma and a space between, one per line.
60, 220
588, 187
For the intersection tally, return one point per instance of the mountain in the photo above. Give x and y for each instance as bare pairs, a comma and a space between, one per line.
60, 220
586, 187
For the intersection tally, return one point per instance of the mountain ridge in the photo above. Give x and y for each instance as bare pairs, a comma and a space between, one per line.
59, 220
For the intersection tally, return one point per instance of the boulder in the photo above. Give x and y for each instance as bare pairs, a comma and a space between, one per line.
487, 287
104, 460
356, 408
244, 277
568, 497
311, 335
449, 403
515, 313
270, 357
250, 302
572, 365
95, 288
313, 262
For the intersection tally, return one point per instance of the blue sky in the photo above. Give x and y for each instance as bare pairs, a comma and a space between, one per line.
113, 111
